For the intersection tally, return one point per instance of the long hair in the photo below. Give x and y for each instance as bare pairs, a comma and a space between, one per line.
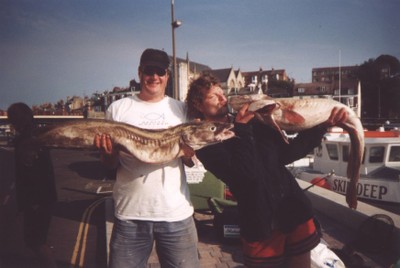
195, 93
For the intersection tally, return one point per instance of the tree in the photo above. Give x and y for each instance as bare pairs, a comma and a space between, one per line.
60, 107
280, 88
380, 87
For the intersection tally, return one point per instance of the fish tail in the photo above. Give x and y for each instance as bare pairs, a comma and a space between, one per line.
356, 133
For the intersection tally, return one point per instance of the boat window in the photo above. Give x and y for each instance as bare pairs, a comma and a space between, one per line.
332, 151
345, 153
394, 155
376, 154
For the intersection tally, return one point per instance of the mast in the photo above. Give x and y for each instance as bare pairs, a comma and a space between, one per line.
340, 75
359, 99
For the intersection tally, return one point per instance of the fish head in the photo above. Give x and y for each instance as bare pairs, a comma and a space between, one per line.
200, 134
236, 102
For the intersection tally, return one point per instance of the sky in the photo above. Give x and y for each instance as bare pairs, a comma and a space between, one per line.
52, 49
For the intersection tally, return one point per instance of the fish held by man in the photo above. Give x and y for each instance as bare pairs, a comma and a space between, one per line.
295, 115
148, 145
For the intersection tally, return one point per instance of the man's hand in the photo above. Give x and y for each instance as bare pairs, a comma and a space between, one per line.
337, 118
103, 143
244, 115
108, 155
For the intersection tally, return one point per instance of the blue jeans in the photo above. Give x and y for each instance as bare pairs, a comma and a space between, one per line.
132, 242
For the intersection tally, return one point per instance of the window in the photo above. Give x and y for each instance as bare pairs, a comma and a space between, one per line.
332, 151
345, 153
394, 155
376, 154
264, 79
301, 90
350, 102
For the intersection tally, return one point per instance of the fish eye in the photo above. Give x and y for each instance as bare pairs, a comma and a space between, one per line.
213, 128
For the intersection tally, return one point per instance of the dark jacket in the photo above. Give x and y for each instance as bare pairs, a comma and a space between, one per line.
35, 184
253, 166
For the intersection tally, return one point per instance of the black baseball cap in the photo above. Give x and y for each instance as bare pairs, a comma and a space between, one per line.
154, 57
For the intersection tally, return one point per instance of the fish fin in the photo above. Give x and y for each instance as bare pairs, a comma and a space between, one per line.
264, 114
186, 153
187, 161
269, 120
292, 117
288, 115
267, 109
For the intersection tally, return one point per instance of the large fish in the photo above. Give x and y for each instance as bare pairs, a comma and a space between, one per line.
295, 115
147, 145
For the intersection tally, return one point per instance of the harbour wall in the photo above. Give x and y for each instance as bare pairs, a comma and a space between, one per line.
334, 205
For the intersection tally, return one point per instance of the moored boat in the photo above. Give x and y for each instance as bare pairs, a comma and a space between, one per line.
380, 170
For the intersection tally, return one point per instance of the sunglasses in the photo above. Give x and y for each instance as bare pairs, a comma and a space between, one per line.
151, 70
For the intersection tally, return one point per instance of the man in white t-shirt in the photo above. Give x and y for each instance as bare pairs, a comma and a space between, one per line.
152, 201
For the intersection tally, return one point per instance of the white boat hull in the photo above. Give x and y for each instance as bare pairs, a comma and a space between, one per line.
367, 188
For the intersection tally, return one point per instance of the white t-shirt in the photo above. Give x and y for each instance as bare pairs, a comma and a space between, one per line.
152, 192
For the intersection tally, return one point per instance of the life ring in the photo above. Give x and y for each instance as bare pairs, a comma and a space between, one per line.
321, 182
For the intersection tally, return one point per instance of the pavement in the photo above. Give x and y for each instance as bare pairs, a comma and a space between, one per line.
81, 223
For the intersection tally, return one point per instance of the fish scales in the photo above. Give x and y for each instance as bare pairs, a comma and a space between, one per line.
309, 110
148, 145
295, 115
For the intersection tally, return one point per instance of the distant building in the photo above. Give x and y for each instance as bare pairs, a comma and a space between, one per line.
134, 86
75, 104
330, 74
315, 89
187, 71
329, 82
256, 81
231, 81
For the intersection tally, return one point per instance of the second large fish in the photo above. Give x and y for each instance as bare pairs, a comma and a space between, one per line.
148, 145
299, 114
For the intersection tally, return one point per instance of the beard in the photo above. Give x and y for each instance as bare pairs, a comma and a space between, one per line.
219, 114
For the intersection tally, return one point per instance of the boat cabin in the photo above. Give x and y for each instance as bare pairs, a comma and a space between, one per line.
382, 149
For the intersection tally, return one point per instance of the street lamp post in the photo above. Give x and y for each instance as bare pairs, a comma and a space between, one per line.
174, 24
